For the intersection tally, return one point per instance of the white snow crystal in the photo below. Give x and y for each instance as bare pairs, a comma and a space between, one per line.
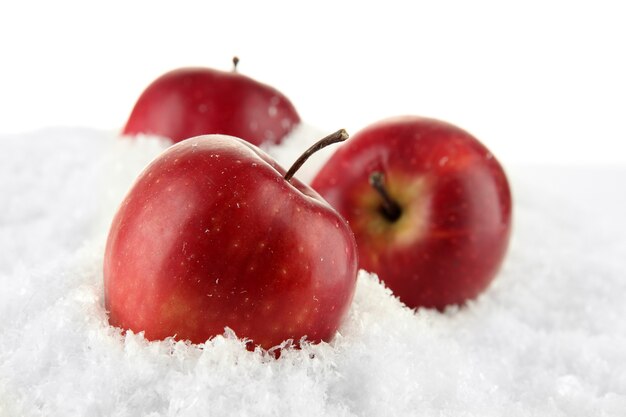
548, 338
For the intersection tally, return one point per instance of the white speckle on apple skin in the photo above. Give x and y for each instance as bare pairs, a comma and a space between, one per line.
270, 135
285, 123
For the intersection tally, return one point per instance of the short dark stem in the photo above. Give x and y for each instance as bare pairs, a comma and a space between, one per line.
338, 136
390, 209
235, 63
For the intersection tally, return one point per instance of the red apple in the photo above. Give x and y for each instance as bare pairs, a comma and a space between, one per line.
429, 205
213, 235
189, 102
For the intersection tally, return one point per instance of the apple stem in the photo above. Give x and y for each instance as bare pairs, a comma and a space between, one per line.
235, 63
390, 209
338, 136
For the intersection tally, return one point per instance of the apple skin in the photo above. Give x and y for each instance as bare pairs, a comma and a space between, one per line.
212, 236
188, 102
448, 243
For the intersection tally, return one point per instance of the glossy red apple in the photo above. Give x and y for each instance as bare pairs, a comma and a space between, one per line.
213, 235
429, 205
189, 102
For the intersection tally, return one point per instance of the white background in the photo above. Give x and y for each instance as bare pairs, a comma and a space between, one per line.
536, 81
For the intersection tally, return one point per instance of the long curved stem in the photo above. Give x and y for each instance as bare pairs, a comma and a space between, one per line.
338, 136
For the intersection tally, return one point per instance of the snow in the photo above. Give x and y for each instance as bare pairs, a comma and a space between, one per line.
548, 338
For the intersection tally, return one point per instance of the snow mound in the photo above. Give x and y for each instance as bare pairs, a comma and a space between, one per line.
547, 339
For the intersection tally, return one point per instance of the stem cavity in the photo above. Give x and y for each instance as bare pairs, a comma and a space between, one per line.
338, 136
389, 207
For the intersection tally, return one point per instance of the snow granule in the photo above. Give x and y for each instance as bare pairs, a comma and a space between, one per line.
548, 338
